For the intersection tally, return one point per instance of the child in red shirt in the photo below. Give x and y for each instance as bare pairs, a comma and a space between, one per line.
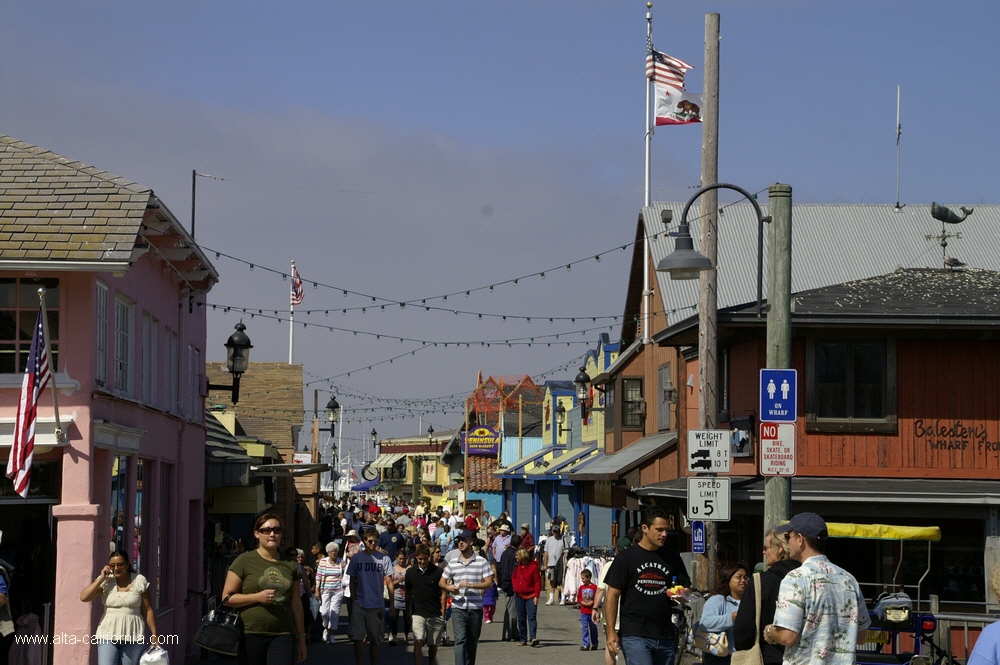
585, 594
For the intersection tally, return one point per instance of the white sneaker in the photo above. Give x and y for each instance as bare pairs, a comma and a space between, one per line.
549, 602
326, 635
488, 621
562, 601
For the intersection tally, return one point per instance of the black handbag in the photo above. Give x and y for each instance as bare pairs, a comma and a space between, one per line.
221, 630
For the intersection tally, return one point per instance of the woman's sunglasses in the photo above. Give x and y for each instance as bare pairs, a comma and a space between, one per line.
268, 530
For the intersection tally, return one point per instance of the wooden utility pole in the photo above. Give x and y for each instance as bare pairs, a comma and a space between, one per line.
708, 368
778, 489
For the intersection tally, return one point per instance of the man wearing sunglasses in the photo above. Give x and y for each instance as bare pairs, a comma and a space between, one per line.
820, 616
371, 572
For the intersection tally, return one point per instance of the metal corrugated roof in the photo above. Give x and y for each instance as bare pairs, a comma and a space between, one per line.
557, 464
831, 244
612, 466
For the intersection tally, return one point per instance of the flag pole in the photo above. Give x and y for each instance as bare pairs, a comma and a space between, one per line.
48, 352
646, 291
291, 319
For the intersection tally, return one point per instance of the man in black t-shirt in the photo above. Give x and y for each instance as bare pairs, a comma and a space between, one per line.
425, 602
639, 578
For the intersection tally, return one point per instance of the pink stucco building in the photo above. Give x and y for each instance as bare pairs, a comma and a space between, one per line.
126, 288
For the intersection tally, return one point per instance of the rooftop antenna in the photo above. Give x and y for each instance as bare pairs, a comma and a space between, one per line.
899, 132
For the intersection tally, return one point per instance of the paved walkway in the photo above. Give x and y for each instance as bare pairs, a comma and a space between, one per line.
558, 633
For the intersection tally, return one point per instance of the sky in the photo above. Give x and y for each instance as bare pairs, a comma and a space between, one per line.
407, 150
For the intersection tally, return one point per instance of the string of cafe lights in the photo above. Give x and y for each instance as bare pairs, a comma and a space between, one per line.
513, 341
444, 404
422, 302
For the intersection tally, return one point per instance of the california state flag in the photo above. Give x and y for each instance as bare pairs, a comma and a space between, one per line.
676, 107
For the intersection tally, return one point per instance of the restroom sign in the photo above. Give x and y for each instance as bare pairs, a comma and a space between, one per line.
778, 395
777, 449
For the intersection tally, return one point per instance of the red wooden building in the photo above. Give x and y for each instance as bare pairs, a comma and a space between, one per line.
899, 378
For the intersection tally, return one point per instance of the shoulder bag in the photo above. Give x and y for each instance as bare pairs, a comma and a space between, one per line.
716, 644
221, 630
753, 655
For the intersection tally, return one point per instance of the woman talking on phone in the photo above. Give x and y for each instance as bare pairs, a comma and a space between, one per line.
120, 639
266, 591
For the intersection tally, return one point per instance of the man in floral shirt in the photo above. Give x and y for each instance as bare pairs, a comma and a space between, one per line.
821, 615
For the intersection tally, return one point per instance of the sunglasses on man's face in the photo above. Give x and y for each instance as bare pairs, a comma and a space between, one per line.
268, 530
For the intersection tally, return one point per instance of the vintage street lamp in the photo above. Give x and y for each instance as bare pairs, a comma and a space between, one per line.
237, 361
561, 418
685, 262
332, 412
582, 383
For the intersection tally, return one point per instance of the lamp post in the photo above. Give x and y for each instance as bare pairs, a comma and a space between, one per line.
686, 263
237, 361
333, 417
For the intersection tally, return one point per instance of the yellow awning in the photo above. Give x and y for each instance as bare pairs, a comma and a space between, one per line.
883, 531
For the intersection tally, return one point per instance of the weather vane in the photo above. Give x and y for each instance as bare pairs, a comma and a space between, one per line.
946, 215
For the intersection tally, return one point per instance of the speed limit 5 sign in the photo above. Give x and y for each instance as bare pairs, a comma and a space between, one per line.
708, 499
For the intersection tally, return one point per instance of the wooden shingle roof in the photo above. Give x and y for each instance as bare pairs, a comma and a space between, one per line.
60, 214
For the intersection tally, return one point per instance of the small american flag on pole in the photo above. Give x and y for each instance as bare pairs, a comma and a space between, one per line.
36, 376
663, 68
298, 293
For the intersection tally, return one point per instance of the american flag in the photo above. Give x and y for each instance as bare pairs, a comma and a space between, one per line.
298, 293
354, 474
36, 375
664, 69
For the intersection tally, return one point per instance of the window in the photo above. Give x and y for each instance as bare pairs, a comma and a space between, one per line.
724, 385
633, 406
163, 536
609, 407
147, 355
18, 314
192, 387
119, 503
101, 337
154, 362
667, 395
141, 545
124, 346
170, 370
851, 385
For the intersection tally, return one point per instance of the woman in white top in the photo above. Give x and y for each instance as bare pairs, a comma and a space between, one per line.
120, 634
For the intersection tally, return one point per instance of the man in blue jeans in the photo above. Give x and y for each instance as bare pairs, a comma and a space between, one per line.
639, 578
466, 577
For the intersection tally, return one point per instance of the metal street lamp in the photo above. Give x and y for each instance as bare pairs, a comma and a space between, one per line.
332, 412
561, 418
685, 262
237, 361
582, 383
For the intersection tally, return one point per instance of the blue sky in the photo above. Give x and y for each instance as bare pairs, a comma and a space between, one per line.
426, 147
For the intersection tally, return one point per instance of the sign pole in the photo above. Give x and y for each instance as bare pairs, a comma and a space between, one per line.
778, 489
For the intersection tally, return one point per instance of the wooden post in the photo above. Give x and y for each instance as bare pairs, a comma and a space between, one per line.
778, 489
465, 458
708, 368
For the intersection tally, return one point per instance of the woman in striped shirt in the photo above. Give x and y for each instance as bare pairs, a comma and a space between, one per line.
330, 589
